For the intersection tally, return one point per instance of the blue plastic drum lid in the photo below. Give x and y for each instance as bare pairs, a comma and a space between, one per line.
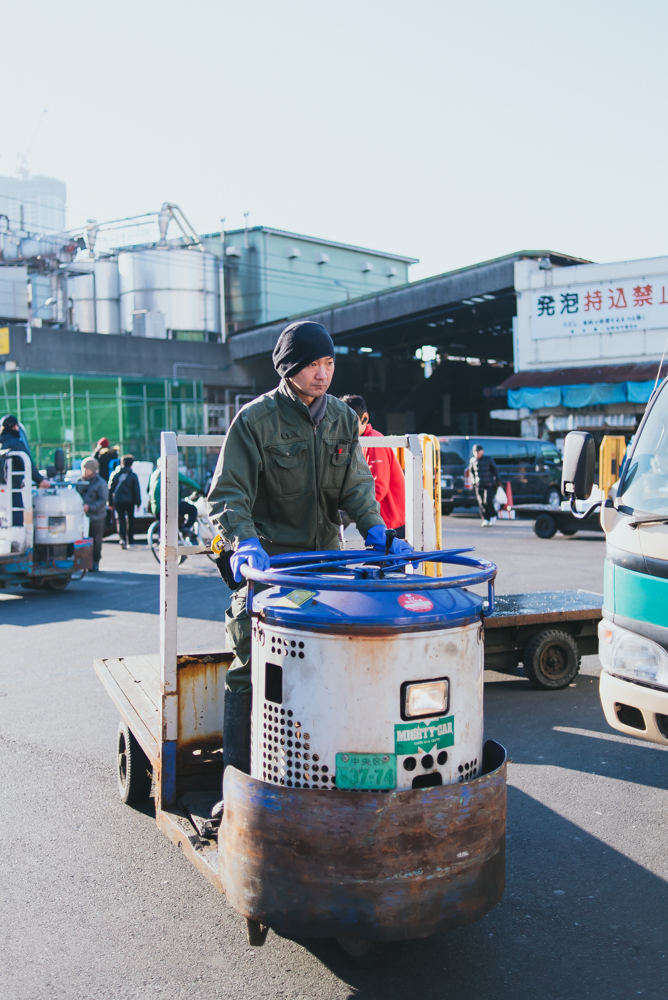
447, 608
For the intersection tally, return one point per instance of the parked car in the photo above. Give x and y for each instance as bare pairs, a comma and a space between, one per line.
532, 467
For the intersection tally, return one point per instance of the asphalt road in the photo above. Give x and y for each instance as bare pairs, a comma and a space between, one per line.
96, 903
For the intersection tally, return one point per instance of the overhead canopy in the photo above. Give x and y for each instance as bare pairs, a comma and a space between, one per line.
577, 388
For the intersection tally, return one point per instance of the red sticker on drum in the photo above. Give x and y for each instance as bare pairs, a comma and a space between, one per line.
415, 602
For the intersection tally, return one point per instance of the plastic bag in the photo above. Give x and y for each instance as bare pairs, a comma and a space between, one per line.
500, 498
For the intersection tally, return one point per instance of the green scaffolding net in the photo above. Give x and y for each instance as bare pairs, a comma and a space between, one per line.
74, 411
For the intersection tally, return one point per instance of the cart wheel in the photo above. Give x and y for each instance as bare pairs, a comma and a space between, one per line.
362, 953
551, 659
545, 526
57, 582
134, 768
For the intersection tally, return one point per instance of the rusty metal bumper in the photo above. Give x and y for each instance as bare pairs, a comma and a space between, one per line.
383, 867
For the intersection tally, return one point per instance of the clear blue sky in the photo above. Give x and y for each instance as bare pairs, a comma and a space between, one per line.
453, 132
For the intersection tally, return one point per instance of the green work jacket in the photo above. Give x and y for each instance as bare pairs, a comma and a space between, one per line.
283, 481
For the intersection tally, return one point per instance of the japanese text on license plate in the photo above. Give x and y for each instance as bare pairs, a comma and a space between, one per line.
366, 770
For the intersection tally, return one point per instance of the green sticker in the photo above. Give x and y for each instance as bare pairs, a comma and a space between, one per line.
294, 599
426, 736
366, 770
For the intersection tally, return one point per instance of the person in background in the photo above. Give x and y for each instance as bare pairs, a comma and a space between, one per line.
105, 454
124, 496
94, 492
486, 481
187, 511
387, 474
11, 440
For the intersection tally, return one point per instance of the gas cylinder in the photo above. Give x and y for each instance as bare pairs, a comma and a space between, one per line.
58, 515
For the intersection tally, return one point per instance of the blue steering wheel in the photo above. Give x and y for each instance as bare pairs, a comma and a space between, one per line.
332, 570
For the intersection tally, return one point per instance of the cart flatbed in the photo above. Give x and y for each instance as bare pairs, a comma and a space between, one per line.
191, 767
520, 618
549, 520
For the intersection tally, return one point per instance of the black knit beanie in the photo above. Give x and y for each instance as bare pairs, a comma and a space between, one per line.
299, 345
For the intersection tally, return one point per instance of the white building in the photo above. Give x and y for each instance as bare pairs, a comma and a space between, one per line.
33, 204
588, 341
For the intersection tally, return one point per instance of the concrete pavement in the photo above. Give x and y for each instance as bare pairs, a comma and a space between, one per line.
96, 903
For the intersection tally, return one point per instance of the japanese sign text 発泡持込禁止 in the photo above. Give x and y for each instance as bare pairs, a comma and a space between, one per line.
600, 307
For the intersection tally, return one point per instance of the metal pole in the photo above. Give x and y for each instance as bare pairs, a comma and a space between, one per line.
39, 435
119, 396
90, 429
414, 487
169, 540
18, 396
72, 420
145, 408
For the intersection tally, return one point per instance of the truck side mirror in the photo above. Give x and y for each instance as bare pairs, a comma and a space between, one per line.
579, 468
59, 460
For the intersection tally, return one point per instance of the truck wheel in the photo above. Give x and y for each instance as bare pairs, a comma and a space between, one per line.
553, 498
551, 659
446, 509
57, 582
134, 768
545, 526
569, 532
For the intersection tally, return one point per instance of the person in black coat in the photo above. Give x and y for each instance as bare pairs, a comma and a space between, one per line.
486, 480
10, 440
125, 495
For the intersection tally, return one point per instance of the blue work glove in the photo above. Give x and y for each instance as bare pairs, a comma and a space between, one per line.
249, 551
376, 539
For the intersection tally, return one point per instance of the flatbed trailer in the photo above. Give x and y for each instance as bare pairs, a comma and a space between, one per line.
547, 521
547, 632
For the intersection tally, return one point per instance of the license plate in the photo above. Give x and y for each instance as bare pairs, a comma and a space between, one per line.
366, 770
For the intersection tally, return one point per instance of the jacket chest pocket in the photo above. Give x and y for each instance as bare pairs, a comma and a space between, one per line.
287, 468
336, 459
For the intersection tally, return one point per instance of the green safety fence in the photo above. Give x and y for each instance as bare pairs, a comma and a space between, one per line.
74, 411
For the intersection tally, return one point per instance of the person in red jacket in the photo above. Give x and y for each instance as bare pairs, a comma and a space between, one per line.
385, 469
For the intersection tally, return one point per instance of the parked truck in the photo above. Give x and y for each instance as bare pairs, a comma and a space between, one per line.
633, 633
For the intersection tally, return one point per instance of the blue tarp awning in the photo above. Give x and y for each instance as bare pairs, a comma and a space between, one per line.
579, 396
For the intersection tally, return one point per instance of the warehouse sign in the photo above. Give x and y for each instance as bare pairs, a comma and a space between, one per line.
617, 306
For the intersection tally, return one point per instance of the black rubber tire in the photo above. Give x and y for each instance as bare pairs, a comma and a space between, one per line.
363, 954
133, 770
447, 509
33, 584
545, 526
57, 582
551, 659
553, 497
569, 532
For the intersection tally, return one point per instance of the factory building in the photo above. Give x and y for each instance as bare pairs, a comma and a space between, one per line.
270, 274
124, 340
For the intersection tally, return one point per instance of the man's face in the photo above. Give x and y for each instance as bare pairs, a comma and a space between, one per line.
479, 452
315, 379
88, 472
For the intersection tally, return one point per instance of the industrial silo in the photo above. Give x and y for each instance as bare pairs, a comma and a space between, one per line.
95, 295
182, 284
